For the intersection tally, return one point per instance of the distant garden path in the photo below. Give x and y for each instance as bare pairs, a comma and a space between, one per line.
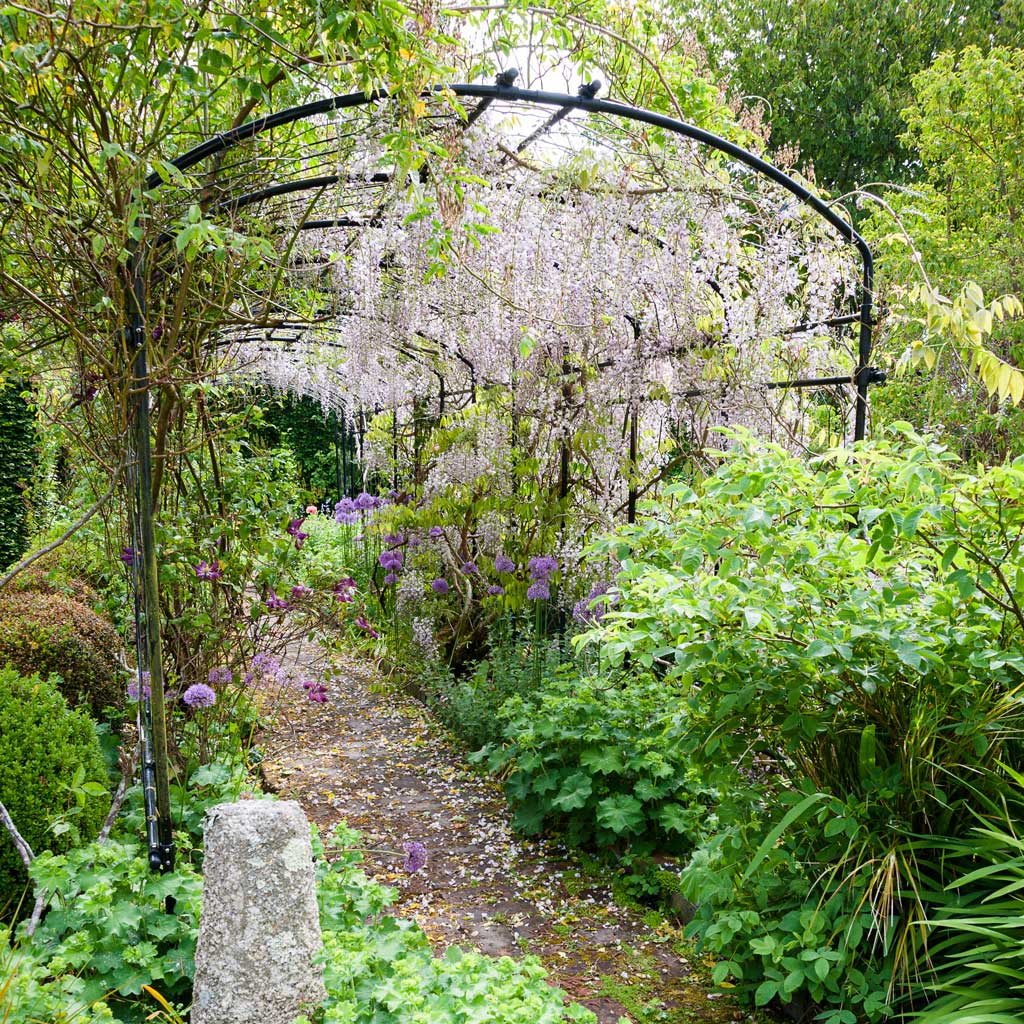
377, 760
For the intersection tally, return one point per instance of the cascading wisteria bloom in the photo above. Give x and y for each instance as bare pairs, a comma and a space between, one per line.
435, 533
589, 609
496, 590
133, 687
613, 280
391, 560
469, 568
219, 676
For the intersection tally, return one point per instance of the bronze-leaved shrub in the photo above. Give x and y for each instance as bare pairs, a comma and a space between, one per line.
46, 633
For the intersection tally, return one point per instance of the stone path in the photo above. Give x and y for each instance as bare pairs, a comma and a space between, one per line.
379, 761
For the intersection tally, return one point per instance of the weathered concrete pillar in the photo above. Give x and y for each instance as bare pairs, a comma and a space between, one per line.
259, 931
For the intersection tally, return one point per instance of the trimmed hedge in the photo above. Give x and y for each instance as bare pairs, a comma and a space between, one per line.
48, 633
17, 462
43, 744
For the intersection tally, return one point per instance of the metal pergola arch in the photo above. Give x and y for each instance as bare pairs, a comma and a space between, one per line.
144, 568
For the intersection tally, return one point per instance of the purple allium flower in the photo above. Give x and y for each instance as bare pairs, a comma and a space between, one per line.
208, 571
133, 687
585, 611
435, 532
391, 560
346, 511
495, 590
363, 624
276, 604
539, 589
439, 586
470, 568
199, 695
299, 591
128, 555
364, 502
266, 663
390, 578
415, 857
542, 566
502, 563
219, 676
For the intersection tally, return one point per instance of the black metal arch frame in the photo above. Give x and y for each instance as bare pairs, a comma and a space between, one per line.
151, 709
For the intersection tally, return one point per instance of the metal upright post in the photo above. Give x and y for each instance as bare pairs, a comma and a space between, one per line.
161, 857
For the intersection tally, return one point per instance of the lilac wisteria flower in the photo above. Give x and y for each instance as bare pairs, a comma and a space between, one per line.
393, 539
439, 586
208, 571
539, 590
266, 663
219, 676
469, 568
415, 857
199, 695
390, 578
496, 590
502, 563
435, 533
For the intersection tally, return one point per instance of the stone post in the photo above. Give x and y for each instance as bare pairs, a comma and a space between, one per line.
259, 931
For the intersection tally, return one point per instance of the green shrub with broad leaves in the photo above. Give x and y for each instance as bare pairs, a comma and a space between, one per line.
843, 642
53, 769
602, 759
107, 932
380, 969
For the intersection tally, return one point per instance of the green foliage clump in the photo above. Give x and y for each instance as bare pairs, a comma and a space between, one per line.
45, 747
845, 645
30, 992
107, 922
604, 760
17, 461
53, 633
380, 969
